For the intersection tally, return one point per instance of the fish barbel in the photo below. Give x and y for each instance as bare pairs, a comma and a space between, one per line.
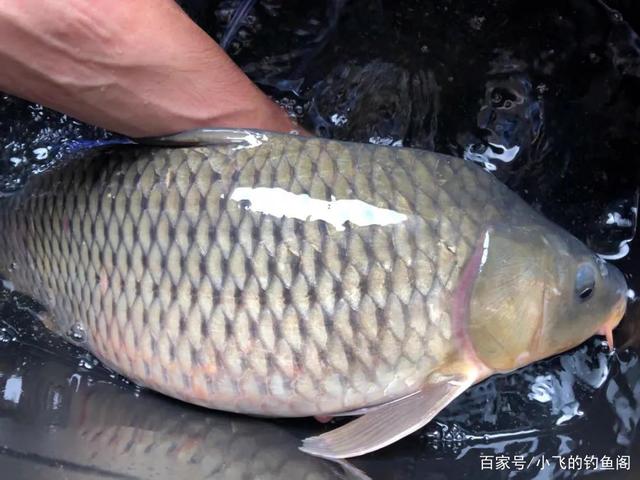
276, 275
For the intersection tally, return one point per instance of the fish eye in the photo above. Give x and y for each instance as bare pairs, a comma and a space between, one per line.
585, 281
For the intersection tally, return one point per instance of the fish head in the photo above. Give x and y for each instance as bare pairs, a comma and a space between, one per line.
539, 291
583, 293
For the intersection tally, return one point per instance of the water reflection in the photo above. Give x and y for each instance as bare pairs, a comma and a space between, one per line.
62, 420
379, 102
510, 117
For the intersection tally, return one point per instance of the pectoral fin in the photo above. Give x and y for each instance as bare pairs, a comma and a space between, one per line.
388, 423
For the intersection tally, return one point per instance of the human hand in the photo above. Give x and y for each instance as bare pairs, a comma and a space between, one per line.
137, 67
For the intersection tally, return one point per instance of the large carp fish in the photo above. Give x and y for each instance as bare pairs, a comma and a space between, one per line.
280, 275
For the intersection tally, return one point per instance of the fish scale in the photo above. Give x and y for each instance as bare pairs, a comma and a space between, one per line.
207, 299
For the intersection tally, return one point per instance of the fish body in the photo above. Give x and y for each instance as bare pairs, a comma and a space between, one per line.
277, 275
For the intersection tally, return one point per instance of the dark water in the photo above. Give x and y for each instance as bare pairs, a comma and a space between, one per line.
546, 95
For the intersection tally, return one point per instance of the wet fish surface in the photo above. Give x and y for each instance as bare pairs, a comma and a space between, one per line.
277, 275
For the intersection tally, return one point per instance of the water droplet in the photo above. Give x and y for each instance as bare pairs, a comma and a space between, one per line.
137, 390
88, 361
338, 119
41, 153
77, 333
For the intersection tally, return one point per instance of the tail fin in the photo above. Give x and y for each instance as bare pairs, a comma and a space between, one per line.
236, 22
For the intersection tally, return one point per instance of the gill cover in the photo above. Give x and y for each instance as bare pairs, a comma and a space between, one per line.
506, 303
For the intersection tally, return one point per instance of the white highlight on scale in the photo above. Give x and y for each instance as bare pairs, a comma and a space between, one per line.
485, 250
249, 140
281, 203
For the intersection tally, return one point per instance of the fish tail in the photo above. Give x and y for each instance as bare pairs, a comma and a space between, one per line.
236, 22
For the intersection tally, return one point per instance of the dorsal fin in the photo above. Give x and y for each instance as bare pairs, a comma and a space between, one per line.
209, 136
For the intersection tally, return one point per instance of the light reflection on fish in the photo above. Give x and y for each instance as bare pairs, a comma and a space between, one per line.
169, 265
